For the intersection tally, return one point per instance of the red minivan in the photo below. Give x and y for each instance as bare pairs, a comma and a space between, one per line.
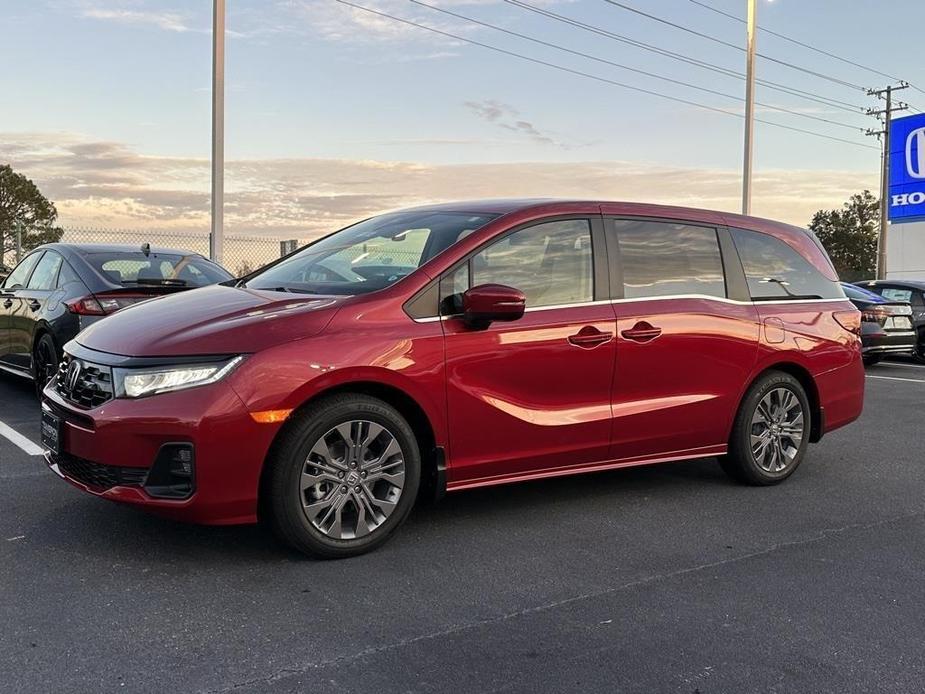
455, 346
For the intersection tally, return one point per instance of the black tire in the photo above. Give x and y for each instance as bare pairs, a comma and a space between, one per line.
919, 353
871, 359
284, 494
45, 360
741, 463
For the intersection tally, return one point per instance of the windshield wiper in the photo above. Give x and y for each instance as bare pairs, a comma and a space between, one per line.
291, 290
144, 281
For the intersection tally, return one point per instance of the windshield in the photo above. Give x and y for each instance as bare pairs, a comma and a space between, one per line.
131, 268
370, 255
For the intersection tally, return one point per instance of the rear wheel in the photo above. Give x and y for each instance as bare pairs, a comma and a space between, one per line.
343, 477
45, 361
771, 431
871, 359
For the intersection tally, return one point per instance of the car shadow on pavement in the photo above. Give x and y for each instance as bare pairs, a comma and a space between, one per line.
91, 527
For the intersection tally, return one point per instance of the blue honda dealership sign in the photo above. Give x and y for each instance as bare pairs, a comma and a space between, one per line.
907, 169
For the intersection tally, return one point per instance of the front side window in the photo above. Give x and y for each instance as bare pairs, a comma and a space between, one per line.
45, 277
775, 270
550, 263
668, 259
370, 255
18, 277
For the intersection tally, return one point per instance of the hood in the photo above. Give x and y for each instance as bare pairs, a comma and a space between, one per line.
211, 320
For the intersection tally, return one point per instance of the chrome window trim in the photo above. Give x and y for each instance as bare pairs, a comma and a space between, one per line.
706, 297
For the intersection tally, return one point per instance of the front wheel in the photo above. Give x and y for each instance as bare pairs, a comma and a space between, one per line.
343, 476
45, 361
771, 431
919, 353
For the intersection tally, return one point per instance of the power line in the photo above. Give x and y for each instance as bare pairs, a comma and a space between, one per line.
796, 42
710, 37
646, 73
622, 38
588, 75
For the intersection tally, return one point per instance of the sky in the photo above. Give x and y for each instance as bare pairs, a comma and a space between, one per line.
335, 113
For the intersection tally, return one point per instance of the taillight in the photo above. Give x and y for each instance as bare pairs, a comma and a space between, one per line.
849, 320
875, 314
103, 304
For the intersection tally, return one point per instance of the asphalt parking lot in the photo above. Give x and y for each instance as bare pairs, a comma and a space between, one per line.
659, 579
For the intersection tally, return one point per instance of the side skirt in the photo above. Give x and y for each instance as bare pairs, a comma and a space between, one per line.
689, 454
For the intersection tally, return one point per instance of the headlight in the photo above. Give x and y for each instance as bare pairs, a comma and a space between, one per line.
137, 383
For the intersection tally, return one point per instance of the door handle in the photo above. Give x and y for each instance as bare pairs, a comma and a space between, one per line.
588, 337
642, 332
7, 303
35, 305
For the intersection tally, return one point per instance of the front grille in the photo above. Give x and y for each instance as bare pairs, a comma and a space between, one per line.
98, 476
84, 383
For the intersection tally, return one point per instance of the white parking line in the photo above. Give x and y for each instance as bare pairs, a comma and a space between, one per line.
897, 378
19, 440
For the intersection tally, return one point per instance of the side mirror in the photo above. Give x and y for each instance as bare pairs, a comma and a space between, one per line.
492, 302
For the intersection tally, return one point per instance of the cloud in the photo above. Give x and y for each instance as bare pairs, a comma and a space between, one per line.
169, 21
108, 184
508, 117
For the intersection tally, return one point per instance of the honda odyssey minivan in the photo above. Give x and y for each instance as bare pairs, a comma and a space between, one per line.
455, 346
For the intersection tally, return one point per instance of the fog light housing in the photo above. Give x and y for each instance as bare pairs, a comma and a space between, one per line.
173, 475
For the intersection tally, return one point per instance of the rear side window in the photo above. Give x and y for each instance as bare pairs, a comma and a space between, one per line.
665, 259
45, 277
774, 270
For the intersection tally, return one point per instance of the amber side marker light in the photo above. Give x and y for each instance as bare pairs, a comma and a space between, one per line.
270, 416
849, 320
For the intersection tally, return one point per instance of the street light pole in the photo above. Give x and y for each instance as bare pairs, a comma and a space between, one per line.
751, 28
216, 237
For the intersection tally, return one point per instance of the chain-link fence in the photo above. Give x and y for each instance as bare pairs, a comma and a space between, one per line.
242, 254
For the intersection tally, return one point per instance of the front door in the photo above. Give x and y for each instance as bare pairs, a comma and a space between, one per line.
684, 347
532, 396
28, 308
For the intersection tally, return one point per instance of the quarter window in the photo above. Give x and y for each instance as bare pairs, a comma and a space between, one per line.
665, 259
45, 276
774, 270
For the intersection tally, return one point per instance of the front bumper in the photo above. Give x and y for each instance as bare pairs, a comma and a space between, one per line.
109, 451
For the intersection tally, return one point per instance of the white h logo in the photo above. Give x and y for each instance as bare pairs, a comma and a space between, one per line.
915, 160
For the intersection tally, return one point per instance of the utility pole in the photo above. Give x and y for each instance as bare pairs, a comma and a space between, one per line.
751, 36
216, 237
886, 115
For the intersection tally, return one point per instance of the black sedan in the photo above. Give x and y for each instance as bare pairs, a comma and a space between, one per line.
912, 291
59, 289
886, 326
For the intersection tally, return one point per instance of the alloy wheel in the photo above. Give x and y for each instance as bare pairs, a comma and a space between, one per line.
777, 430
352, 479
